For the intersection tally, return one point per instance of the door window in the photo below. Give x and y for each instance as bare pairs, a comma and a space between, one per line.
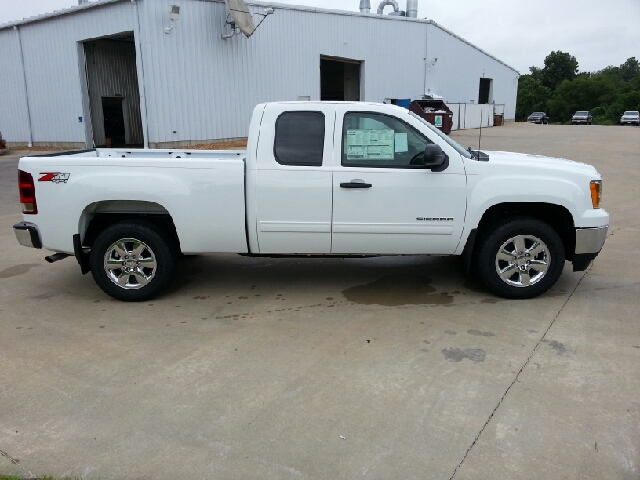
377, 140
299, 139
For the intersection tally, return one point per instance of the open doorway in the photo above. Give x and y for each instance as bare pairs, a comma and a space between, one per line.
114, 128
485, 94
340, 79
113, 91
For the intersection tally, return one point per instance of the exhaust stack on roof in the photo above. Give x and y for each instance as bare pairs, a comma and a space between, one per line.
412, 8
365, 6
393, 3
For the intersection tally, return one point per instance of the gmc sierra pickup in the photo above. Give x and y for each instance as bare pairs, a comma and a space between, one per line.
317, 178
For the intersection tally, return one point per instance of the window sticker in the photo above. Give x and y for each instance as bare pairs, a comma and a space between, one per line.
402, 143
370, 144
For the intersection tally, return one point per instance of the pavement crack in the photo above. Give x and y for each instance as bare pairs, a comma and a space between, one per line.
533, 352
17, 463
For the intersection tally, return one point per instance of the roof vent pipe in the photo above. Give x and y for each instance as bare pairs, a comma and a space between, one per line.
393, 3
412, 8
365, 6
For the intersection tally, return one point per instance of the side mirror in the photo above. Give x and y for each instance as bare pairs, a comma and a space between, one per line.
435, 159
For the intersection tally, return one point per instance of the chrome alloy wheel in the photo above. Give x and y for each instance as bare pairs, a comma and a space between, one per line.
523, 261
130, 264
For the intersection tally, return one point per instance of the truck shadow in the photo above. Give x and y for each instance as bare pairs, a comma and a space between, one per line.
388, 281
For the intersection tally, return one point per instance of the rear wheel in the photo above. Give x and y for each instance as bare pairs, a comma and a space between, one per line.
132, 262
521, 258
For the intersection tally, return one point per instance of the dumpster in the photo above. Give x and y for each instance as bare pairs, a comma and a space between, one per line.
435, 112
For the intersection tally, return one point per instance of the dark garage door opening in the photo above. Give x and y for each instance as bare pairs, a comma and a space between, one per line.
485, 95
114, 96
339, 79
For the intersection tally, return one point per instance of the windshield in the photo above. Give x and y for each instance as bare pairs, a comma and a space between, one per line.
632, 113
537, 114
444, 137
583, 114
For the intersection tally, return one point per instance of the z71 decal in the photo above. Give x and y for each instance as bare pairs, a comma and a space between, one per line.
56, 177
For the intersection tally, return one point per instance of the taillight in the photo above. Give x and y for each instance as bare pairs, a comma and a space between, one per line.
27, 193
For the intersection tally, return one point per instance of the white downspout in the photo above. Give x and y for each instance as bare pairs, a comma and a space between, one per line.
141, 78
26, 91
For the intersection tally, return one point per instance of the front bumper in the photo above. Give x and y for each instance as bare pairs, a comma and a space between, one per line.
28, 234
589, 242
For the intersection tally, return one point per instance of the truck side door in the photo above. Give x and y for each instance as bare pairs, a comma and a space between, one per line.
293, 179
385, 202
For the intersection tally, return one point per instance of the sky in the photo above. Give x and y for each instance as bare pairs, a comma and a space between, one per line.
521, 33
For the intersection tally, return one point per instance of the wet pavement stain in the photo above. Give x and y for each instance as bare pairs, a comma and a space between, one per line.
557, 346
450, 332
17, 270
397, 290
478, 333
490, 301
476, 355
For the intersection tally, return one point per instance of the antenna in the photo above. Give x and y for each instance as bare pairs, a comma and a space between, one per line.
240, 18
480, 137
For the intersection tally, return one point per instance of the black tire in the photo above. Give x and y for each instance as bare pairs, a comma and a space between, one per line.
527, 229
157, 252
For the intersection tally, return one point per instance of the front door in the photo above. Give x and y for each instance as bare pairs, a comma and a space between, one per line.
293, 179
385, 201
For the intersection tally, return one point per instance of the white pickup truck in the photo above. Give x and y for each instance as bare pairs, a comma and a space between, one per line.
317, 179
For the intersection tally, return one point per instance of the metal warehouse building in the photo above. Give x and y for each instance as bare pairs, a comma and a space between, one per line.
121, 69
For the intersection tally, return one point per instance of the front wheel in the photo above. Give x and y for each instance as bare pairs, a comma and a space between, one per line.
521, 258
132, 262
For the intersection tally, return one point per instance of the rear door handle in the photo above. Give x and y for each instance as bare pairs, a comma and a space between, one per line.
356, 184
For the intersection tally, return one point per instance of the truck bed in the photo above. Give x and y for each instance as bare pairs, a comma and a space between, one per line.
202, 190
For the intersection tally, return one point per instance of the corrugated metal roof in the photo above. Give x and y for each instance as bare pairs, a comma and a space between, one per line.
281, 6
56, 13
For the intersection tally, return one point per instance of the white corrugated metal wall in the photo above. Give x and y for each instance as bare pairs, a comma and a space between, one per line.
13, 101
205, 87
459, 67
200, 87
54, 73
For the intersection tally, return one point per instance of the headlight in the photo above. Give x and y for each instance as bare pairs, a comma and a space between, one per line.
596, 193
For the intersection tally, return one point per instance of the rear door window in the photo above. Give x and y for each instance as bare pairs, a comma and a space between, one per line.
299, 139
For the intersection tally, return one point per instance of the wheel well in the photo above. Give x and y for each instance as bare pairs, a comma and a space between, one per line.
556, 216
100, 221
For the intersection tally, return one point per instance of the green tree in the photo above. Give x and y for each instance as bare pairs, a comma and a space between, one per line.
558, 67
584, 93
630, 69
532, 97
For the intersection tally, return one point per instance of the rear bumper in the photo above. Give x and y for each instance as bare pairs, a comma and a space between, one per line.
28, 234
589, 242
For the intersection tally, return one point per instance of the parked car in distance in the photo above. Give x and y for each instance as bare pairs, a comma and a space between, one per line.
3, 143
582, 117
630, 117
539, 118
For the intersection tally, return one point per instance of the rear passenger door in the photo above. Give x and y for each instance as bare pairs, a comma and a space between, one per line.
294, 179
